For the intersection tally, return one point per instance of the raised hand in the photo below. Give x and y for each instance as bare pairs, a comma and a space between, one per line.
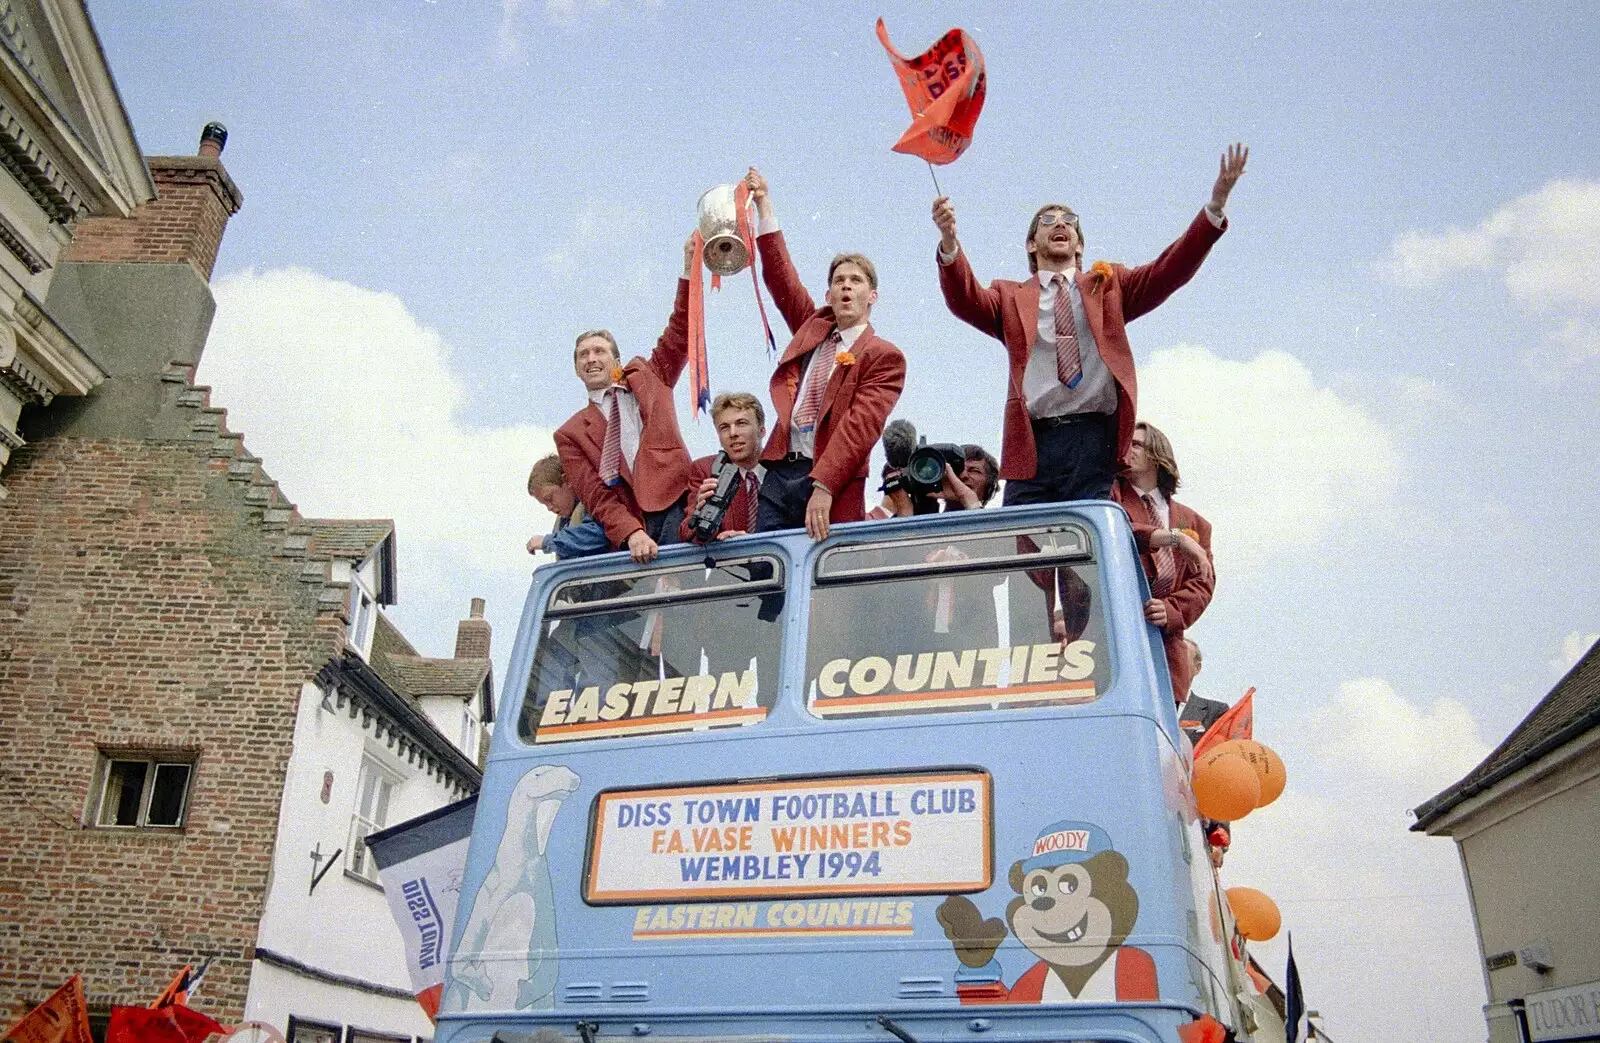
1228, 173
689, 256
944, 216
758, 192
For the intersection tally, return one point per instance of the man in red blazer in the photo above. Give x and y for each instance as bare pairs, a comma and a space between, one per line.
622, 452
741, 428
832, 392
1180, 585
1072, 396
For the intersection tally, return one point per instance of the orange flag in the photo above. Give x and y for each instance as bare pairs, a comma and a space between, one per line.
170, 1024
177, 991
63, 1018
945, 87
1237, 723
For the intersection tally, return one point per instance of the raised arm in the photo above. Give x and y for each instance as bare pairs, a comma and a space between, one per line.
1145, 287
777, 270
672, 347
971, 303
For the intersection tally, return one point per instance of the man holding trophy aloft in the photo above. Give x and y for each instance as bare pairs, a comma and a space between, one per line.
833, 390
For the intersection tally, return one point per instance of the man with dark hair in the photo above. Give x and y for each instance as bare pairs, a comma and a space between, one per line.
622, 452
833, 390
1174, 543
1072, 394
741, 428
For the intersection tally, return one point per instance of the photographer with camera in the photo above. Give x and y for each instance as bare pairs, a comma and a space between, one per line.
723, 489
919, 478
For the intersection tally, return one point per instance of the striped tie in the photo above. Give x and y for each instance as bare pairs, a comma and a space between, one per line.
752, 490
611, 447
809, 408
1166, 564
1069, 365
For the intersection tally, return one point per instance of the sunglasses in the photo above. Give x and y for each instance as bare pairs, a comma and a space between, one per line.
1054, 216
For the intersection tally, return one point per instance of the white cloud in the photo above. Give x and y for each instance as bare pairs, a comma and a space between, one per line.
1276, 460
1544, 246
352, 406
1366, 899
1573, 647
508, 38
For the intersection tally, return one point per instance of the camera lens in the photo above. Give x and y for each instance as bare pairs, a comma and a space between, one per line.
926, 469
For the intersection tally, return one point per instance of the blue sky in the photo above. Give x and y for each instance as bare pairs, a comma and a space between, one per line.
1382, 385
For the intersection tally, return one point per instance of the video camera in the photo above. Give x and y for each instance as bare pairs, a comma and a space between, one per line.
914, 465
706, 520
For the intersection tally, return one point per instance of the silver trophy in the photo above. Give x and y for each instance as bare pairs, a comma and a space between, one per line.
725, 252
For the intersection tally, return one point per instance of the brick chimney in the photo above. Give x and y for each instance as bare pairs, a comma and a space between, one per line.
135, 293
472, 634
184, 223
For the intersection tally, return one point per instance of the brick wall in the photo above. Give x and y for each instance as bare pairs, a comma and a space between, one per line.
184, 223
153, 594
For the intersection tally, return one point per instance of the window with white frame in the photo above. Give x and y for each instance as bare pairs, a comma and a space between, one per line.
363, 612
469, 731
374, 792
141, 790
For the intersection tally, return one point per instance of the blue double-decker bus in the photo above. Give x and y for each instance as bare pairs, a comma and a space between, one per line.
920, 781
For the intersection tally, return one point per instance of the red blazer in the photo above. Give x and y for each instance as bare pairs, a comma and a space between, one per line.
1190, 593
1009, 312
859, 398
662, 467
733, 521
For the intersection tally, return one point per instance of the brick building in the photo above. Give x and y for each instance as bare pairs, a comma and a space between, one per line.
202, 704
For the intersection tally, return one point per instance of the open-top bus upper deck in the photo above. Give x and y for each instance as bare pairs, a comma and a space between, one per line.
923, 777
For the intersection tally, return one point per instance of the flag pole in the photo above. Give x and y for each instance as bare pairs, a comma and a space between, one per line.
937, 190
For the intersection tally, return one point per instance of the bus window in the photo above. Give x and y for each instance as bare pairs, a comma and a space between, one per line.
657, 651
957, 623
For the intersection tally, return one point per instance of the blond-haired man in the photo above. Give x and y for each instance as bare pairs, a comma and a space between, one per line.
741, 430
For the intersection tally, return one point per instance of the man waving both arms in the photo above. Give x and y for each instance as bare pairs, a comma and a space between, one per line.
1072, 396
833, 390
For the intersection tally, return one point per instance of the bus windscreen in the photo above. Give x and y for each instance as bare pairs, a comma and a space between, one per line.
657, 652
957, 624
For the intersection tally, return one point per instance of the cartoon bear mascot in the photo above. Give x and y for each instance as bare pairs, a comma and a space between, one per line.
1074, 909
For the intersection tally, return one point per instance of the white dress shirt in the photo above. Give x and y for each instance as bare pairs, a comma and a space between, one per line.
628, 409
805, 442
1041, 385
1162, 509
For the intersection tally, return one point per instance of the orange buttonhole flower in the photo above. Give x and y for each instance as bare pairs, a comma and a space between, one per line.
616, 374
1101, 271
844, 358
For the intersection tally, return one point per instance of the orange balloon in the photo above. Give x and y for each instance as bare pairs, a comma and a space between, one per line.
1268, 765
1254, 914
1226, 787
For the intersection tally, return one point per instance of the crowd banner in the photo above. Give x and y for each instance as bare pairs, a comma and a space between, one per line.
421, 863
945, 87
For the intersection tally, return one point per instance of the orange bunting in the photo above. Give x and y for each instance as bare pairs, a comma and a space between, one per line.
945, 87
699, 368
